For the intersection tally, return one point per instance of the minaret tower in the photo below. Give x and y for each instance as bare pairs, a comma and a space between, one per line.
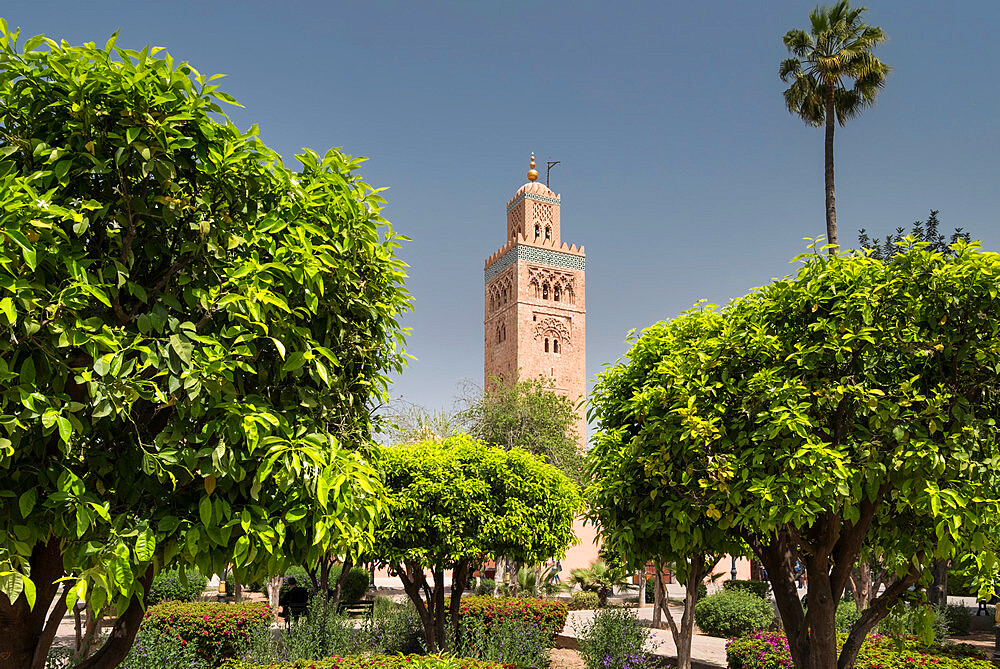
535, 304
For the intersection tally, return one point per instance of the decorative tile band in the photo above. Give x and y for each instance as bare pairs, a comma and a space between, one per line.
532, 196
535, 254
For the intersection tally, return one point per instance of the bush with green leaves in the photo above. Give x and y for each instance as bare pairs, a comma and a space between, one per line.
182, 320
321, 632
216, 631
155, 648
369, 661
769, 650
729, 613
584, 601
959, 619
547, 614
355, 585
760, 588
171, 585
396, 629
847, 615
615, 639
486, 586
512, 643
928, 623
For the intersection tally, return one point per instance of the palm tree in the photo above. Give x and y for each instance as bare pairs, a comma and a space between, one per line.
835, 52
601, 578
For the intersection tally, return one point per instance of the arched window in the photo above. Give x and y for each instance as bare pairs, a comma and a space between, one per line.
548, 232
545, 291
498, 334
546, 344
555, 345
555, 293
538, 231
503, 332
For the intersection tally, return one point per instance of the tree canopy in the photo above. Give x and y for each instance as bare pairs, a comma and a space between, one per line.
525, 413
921, 231
844, 411
454, 503
193, 337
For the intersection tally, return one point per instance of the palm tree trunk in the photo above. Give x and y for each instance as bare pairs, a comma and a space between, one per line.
831, 200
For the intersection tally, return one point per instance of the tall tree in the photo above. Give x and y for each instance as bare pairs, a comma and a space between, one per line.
526, 414
844, 412
836, 52
192, 339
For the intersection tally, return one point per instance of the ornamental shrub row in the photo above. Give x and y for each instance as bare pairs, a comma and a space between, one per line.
217, 631
373, 662
730, 613
760, 588
769, 650
545, 613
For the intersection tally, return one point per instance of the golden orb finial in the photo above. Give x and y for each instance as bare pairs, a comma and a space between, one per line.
532, 173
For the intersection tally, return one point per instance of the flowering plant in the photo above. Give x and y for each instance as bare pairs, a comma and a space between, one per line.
373, 662
544, 613
769, 650
217, 631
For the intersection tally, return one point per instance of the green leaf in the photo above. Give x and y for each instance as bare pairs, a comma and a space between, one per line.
27, 502
7, 305
145, 545
205, 510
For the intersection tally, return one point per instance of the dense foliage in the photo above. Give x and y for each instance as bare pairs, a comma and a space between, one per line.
760, 588
157, 648
453, 503
217, 631
515, 413
584, 601
547, 614
847, 410
730, 613
373, 662
615, 639
193, 337
170, 585
769, 650
512, 643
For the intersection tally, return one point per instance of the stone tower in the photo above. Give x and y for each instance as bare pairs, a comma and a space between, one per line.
535, 306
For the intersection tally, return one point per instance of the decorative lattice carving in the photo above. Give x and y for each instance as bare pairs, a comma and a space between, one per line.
561, 283
537, 255
500, 292
542, 213
515, 222
552, 327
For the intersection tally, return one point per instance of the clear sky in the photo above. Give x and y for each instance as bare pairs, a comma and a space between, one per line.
681, 173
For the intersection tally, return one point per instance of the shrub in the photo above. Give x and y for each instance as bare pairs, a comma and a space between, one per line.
914, 621
702, 591
614, 639
511, 643
487, 586
396, 628
367, 662
584, 601
769, 650
356, 584
760, 588
959, 619
730, 613
650, 590
847, 614
168, 585
547, 614
217, 631
156, 648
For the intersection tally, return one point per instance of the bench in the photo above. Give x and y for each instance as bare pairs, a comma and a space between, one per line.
364, 608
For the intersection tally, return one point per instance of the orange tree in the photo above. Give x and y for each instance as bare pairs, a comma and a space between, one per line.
193, 336
451, 504
844, 412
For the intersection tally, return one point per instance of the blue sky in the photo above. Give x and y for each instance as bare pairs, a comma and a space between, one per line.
682, 173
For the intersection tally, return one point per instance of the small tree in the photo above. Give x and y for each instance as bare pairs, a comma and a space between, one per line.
452, 504
845, 412
193, 337
527, 414
922, 231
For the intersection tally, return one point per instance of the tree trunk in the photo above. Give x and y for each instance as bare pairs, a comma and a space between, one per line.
237, 591
273, 590
659, 595
123, 633
821, 610
414, 582
440, 624
24, 628
345, 569
459, 581
682, 636
937, 593
831, 200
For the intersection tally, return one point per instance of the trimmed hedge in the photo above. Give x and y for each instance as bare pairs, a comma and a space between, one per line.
548, 614
760, 588
217, 631
584, 601
730, 613
769, 650
373, 662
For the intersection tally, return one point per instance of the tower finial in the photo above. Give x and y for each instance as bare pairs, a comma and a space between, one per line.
532, 173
